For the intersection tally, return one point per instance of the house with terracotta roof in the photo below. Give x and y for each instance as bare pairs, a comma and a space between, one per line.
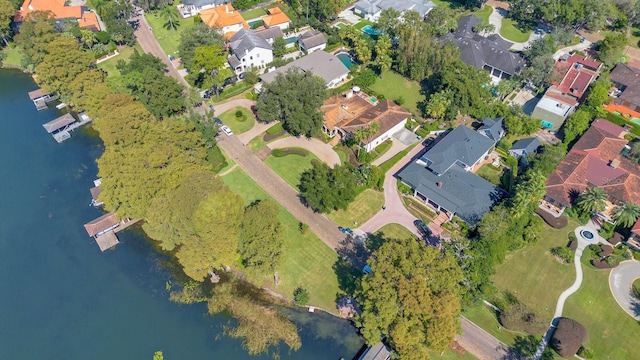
225, 19
626, 91
276, 17
348, 112
574, 75
634, 239
86, 19
597, 159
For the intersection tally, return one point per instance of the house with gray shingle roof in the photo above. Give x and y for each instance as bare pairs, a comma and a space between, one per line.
489, 53
493, 128
524, 147
319, 63
442, 176
249, 50
311, 41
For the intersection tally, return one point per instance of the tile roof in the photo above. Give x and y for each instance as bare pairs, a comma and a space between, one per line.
636, 228
221, 16
275, 17
576, 74
200, 3
57, 7
89, 20
589, 163
385, 113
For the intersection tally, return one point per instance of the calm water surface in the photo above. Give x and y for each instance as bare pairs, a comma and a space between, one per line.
62, 298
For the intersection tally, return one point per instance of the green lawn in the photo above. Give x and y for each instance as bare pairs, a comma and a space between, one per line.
485, 318
307, 261
238, 125
14, 55
510, 32
484, 14
362, 24
342, 154
451, 355
365, 205
534, 276
125, 53
613, 334
252, 14
395, 231
168, 39
393, 86
291, 166
489, 173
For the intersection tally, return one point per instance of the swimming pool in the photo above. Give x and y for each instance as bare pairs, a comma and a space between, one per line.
255, 23
635, 121
368, 29
346, 59
291, 40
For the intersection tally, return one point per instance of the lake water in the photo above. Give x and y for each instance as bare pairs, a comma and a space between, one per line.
62, 297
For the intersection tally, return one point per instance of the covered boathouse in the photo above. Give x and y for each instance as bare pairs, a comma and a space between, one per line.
40, 98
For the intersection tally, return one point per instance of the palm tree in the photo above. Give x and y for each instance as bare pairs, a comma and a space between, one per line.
171, 14
100, 6
593, 200
365, 133
626, 214
88, 38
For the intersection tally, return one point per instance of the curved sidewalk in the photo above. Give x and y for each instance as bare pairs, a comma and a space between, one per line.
323, 151
621, 281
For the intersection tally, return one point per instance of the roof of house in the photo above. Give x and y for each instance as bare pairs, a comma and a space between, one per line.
376, 352
95, 192
529, 145
478, 51
102, 223
89, 20
629, 77
58, 123
276, 17
245, 41
372, 7
576, 73
57, 7
494, 126
319, 63
610, 128
270, 33
221, 16
312, 38
200, 3
462, 192
636, 228
38, 93
339, 109
460, 144
595, 160
386, 114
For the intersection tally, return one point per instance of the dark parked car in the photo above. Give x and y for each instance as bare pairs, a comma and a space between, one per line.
422, 228
218, 121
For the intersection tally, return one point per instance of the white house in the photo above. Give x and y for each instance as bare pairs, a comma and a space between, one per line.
277, 18
190, 8
249, 50
371, 9
319, 63
311, 41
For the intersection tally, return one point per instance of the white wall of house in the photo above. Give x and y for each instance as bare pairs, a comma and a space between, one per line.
192, 10
283, 26
315, 48
257, 57
231, 28
384, 137
337, 81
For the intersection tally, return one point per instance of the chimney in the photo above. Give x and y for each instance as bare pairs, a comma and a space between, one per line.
345, 106
226, 8
439, 184
615, 163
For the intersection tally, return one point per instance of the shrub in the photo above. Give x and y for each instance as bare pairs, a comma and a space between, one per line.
238, 113
563, 253
568, 337
400, 101
504, 144
404, 188
518, 318
572, 236
607, 230
585, 353
275, 129
301, 296
289, 151
423, 132
365, 78
303, 227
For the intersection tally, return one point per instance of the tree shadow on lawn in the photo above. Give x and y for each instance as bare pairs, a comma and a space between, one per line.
525, 347
352, 257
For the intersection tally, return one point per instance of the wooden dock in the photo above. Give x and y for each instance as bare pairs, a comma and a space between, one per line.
61, 127
104, 229
41, 99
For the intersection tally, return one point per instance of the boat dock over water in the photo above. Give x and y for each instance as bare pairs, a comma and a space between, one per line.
40, 98
60, 127
104, 229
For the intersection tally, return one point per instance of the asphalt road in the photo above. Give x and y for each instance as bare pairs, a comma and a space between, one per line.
483, 345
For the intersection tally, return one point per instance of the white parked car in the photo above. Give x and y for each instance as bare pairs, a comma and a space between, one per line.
225, 129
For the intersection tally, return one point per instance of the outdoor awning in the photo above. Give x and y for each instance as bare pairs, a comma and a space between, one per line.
58, 123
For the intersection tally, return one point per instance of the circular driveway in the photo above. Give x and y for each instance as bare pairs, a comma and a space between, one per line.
620, 282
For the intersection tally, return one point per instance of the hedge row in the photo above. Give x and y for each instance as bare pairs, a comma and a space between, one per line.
289, 151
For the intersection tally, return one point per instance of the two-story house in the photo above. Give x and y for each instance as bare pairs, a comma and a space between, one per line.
249, 50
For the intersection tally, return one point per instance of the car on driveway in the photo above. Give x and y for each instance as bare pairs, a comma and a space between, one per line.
218, 121
422, 228
225, 129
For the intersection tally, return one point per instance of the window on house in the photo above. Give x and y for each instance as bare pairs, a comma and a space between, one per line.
251, 58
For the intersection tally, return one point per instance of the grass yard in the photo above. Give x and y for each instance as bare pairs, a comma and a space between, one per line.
451, 355
395, 231
169, 39
613, 334
365, 205
307, 261
362, 24
14, 57
490, 173
253, 14
534, 276
238, 125
510, 32
125, 53
342, 154
484, 14
393, 85
485, 318
290, 167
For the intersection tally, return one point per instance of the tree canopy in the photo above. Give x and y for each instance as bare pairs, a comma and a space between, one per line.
294, 98
200, 34
411, 297
261, 236
325, 189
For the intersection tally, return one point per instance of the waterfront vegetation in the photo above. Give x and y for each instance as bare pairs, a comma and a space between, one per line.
124, 53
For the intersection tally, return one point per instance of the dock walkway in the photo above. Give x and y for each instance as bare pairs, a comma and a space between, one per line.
61, 127
40, 98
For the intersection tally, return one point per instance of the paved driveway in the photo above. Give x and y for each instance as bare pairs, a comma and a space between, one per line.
323, 151
620, 281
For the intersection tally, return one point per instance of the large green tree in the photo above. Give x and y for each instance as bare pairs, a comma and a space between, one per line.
294, 98
412, 297
383, 53
626, 214
261, 236
7, 11
576, 124
325, 189
65, 59
195, 36
37, 31
594, 199
88, 90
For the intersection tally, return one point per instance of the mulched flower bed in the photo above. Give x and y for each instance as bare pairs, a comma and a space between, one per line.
554, 222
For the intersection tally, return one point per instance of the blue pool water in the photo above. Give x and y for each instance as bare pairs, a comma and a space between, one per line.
255, 22
635, 121
346, 59
370, 30
291, 40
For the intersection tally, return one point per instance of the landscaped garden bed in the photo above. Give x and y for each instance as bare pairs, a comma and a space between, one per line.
554, 222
